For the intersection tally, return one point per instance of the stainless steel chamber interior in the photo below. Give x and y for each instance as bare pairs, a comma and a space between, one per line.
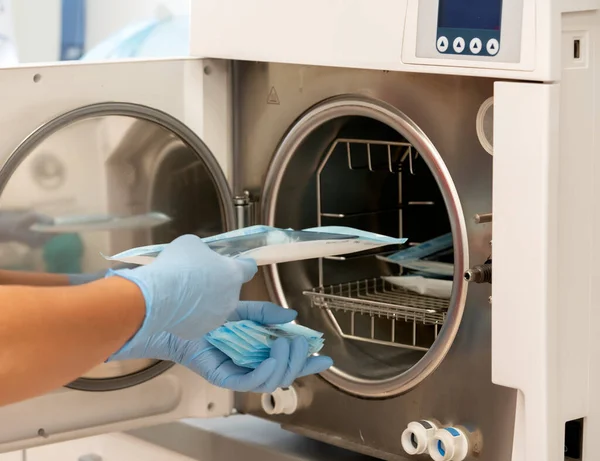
149, 161
358, 162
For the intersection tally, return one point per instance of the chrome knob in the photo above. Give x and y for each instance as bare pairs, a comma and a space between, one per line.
482, 218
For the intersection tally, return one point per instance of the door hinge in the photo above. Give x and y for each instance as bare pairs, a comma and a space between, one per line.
245, 210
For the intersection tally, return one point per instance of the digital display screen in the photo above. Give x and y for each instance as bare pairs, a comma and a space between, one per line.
470, 14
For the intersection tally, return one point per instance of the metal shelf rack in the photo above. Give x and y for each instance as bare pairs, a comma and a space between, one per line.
411, 321
380, 299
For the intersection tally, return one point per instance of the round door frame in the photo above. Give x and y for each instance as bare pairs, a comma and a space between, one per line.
139, 112
361, 106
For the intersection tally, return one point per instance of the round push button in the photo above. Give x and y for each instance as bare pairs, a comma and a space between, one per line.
493, 46
459, 44
475, 46
442, 44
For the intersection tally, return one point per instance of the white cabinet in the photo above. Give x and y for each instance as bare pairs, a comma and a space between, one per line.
111, 447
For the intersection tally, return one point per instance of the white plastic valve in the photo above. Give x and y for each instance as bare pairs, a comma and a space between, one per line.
416, 436
280, 402
449, 444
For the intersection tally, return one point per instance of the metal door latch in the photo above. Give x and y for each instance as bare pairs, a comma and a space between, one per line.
245, 210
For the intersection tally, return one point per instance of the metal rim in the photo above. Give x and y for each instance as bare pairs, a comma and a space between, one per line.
120, 382
139, 112
351, 105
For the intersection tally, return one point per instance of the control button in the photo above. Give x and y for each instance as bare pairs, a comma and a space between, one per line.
475, 46
442, 44
493, 46
459, 44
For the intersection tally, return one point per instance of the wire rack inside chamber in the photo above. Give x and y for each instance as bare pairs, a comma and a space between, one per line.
374, 310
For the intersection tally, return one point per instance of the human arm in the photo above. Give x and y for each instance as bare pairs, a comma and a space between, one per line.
51, 336
33, 279
43, 279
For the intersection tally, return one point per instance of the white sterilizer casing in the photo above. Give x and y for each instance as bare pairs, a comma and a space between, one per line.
539, 62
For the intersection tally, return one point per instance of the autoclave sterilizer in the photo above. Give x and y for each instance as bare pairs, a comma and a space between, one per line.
412, 118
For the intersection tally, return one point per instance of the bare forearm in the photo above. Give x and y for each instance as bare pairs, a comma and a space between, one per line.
33, 279
51, 336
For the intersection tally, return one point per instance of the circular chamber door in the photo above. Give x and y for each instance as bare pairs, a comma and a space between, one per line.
102, 179
353, 161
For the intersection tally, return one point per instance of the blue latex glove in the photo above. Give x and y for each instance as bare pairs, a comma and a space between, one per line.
288, 359
189, 289
14, 227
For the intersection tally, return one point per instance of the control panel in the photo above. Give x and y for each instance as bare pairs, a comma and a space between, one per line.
474, 30
469, 27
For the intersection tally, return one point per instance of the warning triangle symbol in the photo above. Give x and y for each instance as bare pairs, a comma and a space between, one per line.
273, 97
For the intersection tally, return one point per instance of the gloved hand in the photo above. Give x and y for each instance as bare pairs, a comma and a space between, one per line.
189, 289
14, 227
288, 359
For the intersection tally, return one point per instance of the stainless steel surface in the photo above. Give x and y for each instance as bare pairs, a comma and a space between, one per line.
241, 437
118, 159
376, 298
340, 117
452, 171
